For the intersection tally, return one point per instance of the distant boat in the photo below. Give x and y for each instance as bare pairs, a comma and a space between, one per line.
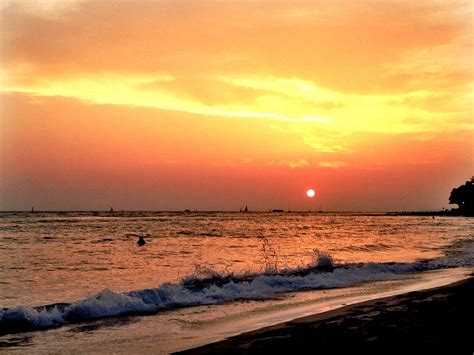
111, 209
246, 209
279, 211
32, 210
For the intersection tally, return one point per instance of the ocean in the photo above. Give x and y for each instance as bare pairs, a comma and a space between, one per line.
64, 273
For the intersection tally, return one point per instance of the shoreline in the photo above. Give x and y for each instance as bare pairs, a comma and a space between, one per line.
207, 325
427, 319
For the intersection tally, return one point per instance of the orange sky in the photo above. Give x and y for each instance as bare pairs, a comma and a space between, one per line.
215, 105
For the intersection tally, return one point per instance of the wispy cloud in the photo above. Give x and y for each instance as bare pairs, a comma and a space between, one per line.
298, 164
293, 164
332, 164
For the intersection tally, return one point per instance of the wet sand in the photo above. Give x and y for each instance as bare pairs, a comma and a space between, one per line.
428, 321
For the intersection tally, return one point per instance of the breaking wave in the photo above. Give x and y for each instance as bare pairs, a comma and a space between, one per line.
211, 287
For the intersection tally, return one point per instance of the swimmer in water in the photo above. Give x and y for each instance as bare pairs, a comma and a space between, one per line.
141, 242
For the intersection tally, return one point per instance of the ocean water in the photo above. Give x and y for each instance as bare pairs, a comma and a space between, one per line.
63, 268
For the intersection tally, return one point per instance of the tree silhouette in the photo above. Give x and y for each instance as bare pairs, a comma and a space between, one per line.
463, 196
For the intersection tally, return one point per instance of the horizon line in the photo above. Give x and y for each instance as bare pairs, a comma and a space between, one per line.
224, 211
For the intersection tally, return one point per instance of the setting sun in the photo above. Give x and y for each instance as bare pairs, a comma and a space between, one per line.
310, 193
150, 99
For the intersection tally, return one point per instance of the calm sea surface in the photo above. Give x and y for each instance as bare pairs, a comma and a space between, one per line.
64, 257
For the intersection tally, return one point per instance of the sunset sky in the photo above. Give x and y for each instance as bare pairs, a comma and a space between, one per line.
167, 105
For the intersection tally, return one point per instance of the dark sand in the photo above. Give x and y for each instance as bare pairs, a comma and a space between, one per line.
429, 321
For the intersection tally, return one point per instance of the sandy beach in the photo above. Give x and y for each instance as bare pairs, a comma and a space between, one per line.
430, 320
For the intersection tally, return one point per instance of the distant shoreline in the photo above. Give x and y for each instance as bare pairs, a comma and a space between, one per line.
450, 213
445, 213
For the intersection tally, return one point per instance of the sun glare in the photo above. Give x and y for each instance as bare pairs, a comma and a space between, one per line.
310, 193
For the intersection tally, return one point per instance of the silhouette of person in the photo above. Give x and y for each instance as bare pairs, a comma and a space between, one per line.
141, 242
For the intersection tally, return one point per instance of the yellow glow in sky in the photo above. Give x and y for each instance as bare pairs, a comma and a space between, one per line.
273, 88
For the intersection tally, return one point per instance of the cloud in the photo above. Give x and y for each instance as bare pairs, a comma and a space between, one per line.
342, 45
298, 164
293, 164
388, 67
332, 164
207, 90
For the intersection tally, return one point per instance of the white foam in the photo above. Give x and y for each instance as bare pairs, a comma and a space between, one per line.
217, 288
107, 303
36, 318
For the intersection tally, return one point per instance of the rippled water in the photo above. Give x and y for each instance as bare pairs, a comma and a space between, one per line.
63, 257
